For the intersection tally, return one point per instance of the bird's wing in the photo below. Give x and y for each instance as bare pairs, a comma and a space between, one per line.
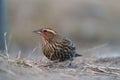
67, 42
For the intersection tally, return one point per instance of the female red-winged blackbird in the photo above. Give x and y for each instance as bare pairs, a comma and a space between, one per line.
56, 47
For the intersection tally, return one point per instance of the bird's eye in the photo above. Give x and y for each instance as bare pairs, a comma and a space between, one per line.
44, 30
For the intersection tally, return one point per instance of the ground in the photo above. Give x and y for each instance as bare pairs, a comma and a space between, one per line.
100, 62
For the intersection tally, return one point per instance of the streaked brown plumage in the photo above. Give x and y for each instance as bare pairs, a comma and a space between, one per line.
56, 47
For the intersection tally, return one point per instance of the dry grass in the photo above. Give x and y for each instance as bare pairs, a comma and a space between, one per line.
17, 66
83, 68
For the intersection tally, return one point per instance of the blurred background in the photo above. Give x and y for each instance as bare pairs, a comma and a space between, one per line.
84, 21
93, 25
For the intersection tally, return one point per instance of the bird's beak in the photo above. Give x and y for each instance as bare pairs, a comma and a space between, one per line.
37, 31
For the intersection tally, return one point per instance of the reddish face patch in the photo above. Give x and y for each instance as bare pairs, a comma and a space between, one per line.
46, 33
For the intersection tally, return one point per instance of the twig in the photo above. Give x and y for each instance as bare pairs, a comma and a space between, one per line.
34, 49
19, 55
4, 56
103, 69
6, 47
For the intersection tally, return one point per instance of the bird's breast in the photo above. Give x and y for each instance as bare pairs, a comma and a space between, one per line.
57, 52
47, 50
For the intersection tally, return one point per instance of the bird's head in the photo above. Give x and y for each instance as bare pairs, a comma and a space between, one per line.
46, 33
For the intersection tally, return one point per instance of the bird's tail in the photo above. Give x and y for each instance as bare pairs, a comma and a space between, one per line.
77, 55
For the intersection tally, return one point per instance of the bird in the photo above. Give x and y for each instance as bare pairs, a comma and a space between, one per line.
56, 47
